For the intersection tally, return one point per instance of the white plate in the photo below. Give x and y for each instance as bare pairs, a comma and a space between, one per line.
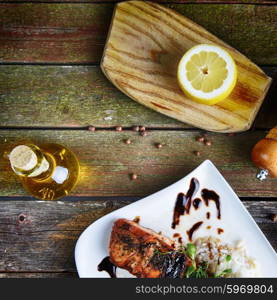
156, 212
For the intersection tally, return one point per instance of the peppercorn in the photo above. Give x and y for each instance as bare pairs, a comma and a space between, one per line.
135, 128
91, 128
142, 128
143, 133
208, 143
159, 145
134, 176
200, 139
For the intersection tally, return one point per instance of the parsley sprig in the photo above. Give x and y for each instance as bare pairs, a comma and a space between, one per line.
195, 271
223, 273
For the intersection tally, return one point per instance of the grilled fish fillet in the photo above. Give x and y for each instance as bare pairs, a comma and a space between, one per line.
145, 253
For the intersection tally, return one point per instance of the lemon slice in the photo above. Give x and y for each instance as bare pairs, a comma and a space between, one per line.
207, 74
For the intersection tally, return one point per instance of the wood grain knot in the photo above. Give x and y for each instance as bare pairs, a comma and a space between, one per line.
22, 218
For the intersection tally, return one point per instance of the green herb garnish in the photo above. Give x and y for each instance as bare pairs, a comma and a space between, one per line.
191, 251
158, 252
197, 272
202, 271
228, 258
190, 271
224, 272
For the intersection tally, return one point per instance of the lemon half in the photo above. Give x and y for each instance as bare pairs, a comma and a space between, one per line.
207, 74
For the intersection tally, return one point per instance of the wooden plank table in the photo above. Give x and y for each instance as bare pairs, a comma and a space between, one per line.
52, 89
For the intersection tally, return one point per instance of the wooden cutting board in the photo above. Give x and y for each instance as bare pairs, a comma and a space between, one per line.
143, 48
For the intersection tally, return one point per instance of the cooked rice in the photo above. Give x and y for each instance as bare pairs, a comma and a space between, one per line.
211, 250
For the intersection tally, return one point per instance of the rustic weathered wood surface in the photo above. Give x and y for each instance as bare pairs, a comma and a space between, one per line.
78, 96
42, 102
76, 33
107, 162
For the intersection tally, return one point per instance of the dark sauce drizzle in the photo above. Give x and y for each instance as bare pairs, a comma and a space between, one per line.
179, 210
137, 219
208, 195
220, 230
183, 202
107, 266
193, 189
196, 202
193, 229
208, 214
177, 235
